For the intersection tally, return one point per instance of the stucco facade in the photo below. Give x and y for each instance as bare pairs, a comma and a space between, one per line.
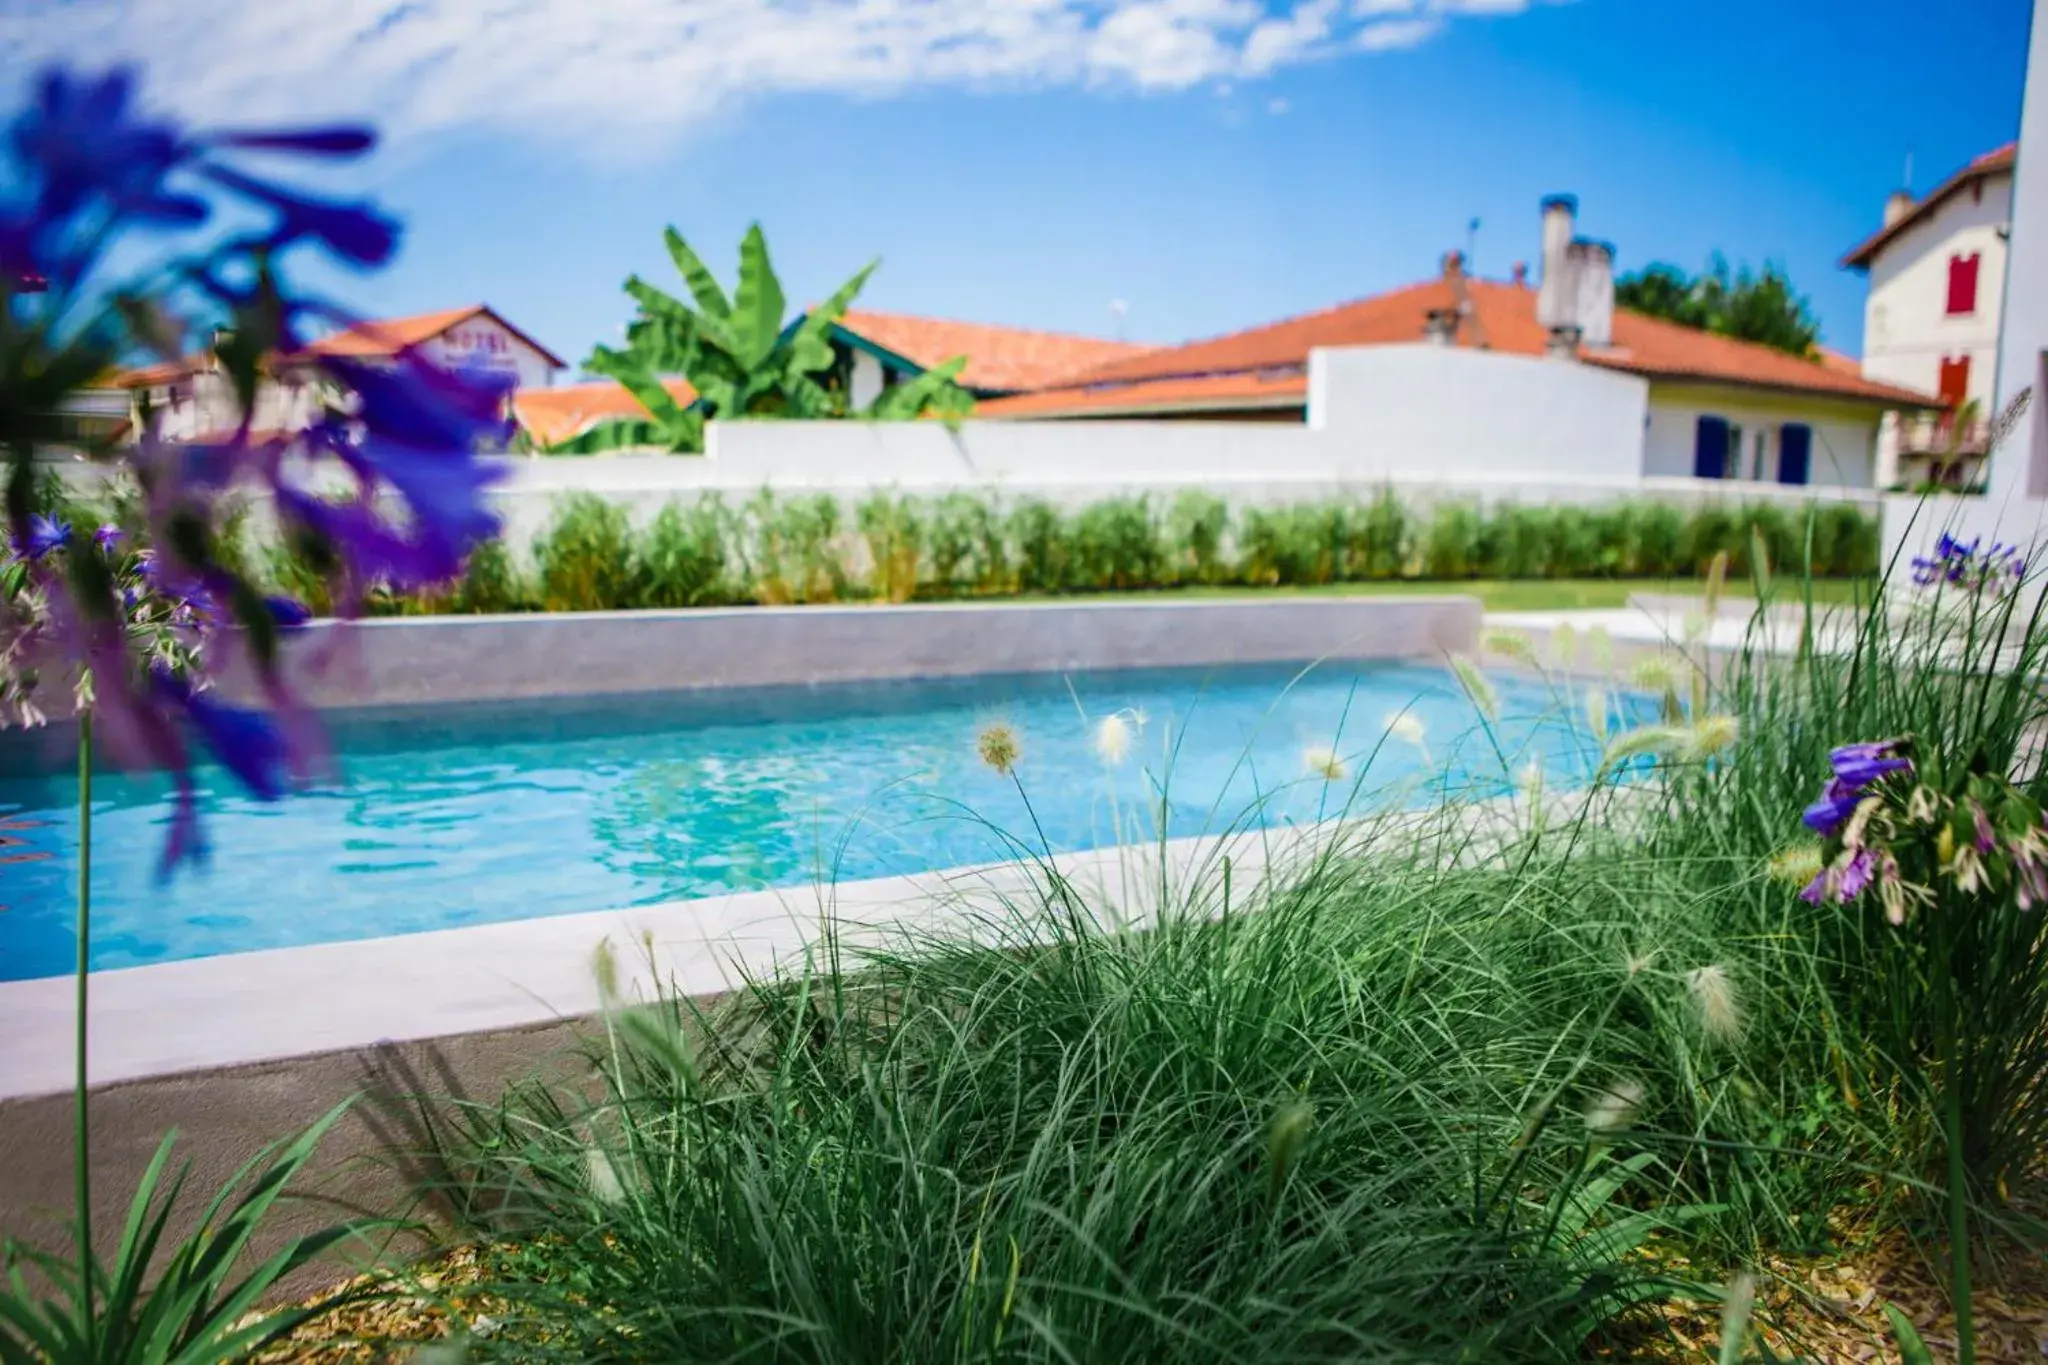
1842, 438
1931, 317
1908, 329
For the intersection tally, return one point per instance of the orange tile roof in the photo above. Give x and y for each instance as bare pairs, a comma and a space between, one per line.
1148, 397
1997, 161
1503, 318
1838, 361
554, 415
386, 336
371, 337
999, 359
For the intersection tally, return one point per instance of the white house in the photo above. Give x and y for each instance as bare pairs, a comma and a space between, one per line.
1715, 408
2014, 507
1937, 277
190, 398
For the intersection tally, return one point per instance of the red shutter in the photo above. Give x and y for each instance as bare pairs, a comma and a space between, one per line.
1962, 283
1955, 381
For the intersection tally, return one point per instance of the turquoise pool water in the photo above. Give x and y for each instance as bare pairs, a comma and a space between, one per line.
449, 816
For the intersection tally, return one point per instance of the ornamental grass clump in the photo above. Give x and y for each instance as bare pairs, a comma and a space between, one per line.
1448, 1088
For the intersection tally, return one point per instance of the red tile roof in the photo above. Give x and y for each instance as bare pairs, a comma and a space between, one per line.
1838, 361
551, 416
371, 337
1151, 397
386, 336
1268, 363
999, 359
1997, 161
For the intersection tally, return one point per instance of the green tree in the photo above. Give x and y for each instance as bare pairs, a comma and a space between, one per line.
1748, 306
741, 358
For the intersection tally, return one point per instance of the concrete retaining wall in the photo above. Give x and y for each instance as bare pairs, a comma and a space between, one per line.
455, 658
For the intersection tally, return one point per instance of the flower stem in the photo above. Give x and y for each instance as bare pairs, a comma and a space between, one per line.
1959, 1229
82, 1146
1958, 1178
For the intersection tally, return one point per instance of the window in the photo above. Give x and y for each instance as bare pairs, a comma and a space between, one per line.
1962, 283
1756, 463
1731, 464
1955, 380
1795, 452
1710, 448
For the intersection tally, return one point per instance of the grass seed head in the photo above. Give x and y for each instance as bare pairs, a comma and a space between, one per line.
999, 747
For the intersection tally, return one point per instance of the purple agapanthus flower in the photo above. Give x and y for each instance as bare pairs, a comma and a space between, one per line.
1815, 892
83, 165
357, 233
288, 615
1827, 815
1856, 875
1859, 765
1856, 768
1844, 883
107, 537
244, 741
44, 535
1966, 564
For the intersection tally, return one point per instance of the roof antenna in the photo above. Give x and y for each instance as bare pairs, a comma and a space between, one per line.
1907, 183
1471, 244
1117, 309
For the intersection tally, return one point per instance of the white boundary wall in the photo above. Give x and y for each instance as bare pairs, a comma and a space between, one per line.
1431, 422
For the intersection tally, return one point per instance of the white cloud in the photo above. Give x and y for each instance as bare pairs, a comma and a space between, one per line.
578, 68
1388, 35
1278, 105
1282, 40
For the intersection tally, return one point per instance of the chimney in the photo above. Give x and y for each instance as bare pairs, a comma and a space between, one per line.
1897, 205
1521, 274
1440, 325
1564, 343
1594, 311
1558, 296
1453, 264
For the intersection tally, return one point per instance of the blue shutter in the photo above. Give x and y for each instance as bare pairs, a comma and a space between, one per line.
1710, 448
1795, 452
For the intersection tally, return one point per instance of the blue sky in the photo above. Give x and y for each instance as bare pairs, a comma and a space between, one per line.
1030, 161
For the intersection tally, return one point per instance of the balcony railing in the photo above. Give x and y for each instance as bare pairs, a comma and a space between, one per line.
1942, 434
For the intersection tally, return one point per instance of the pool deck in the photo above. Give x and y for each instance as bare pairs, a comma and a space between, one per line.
1658, 624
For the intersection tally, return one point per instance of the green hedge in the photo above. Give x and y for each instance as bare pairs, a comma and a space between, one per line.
896, 547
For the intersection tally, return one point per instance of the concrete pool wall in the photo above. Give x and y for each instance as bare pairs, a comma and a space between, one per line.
239, 1050
478, 658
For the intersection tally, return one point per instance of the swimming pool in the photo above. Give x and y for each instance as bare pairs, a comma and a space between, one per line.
477, 813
